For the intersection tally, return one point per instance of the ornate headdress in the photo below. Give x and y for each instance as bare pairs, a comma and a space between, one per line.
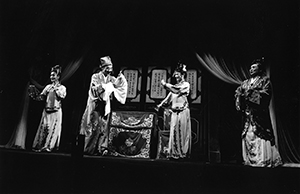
181, 67
259, 61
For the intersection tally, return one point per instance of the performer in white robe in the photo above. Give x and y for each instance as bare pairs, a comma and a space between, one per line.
94, 124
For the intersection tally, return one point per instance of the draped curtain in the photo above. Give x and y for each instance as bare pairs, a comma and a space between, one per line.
236, 76
17, 140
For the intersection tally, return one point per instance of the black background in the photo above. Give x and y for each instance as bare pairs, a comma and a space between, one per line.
41, 33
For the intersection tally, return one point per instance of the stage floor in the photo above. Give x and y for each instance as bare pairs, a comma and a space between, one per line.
30, 172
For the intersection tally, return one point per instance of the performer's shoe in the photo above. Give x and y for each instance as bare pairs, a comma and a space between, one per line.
36, 150
96, 154
45, 150
105, 152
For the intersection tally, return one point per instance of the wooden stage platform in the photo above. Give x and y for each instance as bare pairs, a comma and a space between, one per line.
30, 172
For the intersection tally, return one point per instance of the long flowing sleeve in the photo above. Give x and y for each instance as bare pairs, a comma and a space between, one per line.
46, 90
121, 88
61, 91
166, 101
180, 89
93, 93
238, 98
96, 88
256, 94
260, 93
117, 86
108, 89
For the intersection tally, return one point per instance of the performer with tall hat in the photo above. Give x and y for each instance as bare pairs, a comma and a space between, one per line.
94, 123
48, 134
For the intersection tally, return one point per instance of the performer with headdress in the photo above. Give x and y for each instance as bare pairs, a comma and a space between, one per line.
94, 123
180, 123
253, 99
48, 134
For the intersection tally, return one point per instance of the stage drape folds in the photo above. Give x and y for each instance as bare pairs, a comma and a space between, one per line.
18, 137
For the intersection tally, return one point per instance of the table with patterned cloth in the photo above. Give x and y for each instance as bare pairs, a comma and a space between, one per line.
132, 134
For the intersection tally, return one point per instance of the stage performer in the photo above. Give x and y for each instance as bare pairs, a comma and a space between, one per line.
48, 134
94, 123
179, 145
252, 100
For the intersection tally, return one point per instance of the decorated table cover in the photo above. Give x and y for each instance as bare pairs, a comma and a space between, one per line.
130, 133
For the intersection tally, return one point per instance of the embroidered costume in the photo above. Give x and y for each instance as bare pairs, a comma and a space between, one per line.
49, 131
258, 141
95, 118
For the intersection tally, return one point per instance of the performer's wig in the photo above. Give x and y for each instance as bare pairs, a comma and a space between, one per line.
261, 64
56, 69
181, 67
